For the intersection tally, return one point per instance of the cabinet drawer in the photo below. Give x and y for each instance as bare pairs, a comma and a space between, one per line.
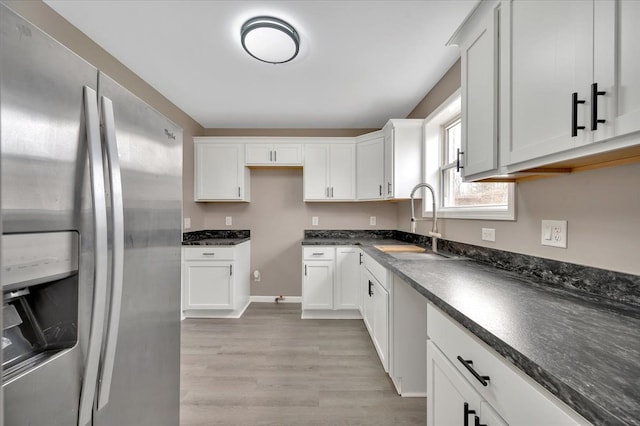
377, 270
518, 399
208, 253
318, 252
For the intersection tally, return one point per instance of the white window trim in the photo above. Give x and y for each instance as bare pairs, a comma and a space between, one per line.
442, 115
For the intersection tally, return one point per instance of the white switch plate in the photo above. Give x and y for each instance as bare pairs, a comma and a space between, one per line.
372, 220
228, 221
314, 220
488, 234
554, 233
187, 222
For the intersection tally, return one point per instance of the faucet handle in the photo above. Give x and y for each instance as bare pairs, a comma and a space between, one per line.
435, 234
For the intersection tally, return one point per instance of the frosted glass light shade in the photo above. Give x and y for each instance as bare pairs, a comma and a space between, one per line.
270, 40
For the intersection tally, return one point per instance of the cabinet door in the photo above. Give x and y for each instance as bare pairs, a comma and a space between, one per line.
551, 56
449, 395
617, 67
479, 98
342, 172
381, 323
370, 169
218, 172
258, 153
368, 300
389, 163
317, 285
347, 288
316, 172
208, 285
489, 417
287, 154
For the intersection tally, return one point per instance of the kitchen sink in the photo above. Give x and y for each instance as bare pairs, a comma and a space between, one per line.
421, 256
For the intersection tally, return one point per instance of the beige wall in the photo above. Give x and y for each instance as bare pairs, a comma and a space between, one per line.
449, 83
277, 218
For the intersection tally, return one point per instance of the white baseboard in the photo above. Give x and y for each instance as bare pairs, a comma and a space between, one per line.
272, 299
414, 395
347, 314
215, 313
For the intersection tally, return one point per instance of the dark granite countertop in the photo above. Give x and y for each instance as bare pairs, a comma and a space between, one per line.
210, 237
216, 242
583, 351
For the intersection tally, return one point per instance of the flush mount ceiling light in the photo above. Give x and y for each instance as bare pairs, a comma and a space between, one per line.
270, 39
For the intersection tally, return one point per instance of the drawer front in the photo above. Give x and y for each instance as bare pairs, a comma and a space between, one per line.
377, 270
208, 253
515, 396
319, 253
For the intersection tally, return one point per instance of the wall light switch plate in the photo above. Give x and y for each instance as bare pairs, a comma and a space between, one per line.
554, 233
187, 222
488, 234
372, 220
314, 220
228, 221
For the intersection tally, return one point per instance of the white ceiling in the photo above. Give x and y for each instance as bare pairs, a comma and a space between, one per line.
360, 62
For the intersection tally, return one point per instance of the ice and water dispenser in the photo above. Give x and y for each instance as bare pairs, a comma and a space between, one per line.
40, 298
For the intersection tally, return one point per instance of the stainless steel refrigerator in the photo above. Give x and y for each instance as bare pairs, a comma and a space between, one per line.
91, 181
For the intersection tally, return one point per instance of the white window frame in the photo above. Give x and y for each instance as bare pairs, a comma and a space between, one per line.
433, 155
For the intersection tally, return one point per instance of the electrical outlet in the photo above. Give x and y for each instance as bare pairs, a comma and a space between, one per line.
187, 222
372, 220
314, 221
554, 233
228, 221
488, 234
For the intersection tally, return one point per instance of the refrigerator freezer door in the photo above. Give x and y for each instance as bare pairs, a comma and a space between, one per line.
45, 187
145, 382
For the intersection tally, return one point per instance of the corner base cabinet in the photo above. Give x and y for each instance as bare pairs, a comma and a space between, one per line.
215, 281
330, 280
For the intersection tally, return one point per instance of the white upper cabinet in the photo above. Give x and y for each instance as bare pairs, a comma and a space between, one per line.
479, 51
370, 167
220, 174
551, 62
329, 172
267, 154
549, 87
402, 157
616, 68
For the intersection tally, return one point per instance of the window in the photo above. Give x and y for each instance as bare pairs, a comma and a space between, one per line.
458, 199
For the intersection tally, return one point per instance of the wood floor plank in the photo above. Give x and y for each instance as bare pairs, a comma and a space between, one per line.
272, 368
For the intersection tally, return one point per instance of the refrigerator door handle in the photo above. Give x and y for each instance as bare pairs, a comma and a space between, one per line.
98, 197
117, 265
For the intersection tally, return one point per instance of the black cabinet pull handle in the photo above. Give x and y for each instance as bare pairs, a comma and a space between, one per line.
380, 190
370, 288
361, 258
305, 270
469, 366
594, 106
477, 422
458, 154
574, 114
275, 156
238, 192
388, 188
466, 414
230, 270
270, 155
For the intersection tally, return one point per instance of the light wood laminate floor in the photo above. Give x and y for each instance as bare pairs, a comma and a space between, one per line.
272, 368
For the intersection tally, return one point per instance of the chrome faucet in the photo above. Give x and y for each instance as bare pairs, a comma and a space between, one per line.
434, 234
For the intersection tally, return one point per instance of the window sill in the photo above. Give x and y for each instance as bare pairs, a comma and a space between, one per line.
474, 214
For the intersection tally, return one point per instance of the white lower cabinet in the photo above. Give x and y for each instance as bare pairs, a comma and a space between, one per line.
375, 307
508, 397
215, 281
330, 282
